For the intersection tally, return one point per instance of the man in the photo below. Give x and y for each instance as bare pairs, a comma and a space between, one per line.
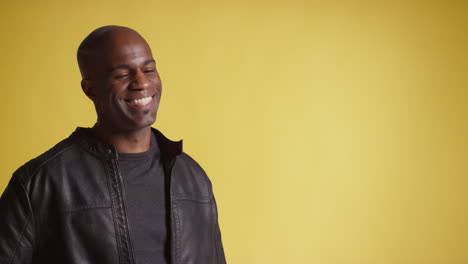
119, 192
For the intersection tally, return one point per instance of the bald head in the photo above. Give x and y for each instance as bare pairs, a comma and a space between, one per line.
100, 43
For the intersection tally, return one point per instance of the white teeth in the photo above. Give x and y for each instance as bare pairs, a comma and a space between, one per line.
142, 101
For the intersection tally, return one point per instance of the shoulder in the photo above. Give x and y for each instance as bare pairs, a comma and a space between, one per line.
190, 179
186, 161
24, 174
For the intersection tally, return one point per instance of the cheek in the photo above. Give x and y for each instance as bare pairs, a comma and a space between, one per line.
106, 103
98, 104
156, 82
158, 96
159, 92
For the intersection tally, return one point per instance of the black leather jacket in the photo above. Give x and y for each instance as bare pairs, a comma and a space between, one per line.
68, 206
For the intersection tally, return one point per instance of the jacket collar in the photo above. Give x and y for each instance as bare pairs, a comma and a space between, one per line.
85, 138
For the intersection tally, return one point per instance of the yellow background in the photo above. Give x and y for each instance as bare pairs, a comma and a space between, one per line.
334, 132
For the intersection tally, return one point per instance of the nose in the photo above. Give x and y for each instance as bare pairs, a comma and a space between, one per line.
140, 81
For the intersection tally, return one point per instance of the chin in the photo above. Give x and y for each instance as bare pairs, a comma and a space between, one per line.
143, 124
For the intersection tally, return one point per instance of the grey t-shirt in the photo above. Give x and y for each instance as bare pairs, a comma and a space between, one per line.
145, 193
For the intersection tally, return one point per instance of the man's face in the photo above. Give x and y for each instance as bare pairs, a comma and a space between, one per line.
127, 86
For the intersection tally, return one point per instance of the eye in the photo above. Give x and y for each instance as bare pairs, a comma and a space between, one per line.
149, 70
122, 75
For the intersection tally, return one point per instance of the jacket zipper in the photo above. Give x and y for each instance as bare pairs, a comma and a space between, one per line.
124, 206
167, 166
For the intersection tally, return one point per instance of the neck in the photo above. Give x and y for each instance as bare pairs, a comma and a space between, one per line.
135, 141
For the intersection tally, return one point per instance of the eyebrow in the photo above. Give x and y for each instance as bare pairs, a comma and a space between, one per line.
126, 66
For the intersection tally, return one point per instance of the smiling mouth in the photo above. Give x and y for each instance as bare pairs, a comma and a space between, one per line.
140, 102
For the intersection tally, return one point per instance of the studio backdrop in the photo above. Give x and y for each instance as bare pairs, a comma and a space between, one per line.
334, 132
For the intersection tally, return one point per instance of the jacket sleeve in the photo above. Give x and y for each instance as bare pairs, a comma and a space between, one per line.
219, 243
219, 247
16, 233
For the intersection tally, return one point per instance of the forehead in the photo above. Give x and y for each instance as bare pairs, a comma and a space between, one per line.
123, 47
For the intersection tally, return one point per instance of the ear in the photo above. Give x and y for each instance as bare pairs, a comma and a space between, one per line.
88, 89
